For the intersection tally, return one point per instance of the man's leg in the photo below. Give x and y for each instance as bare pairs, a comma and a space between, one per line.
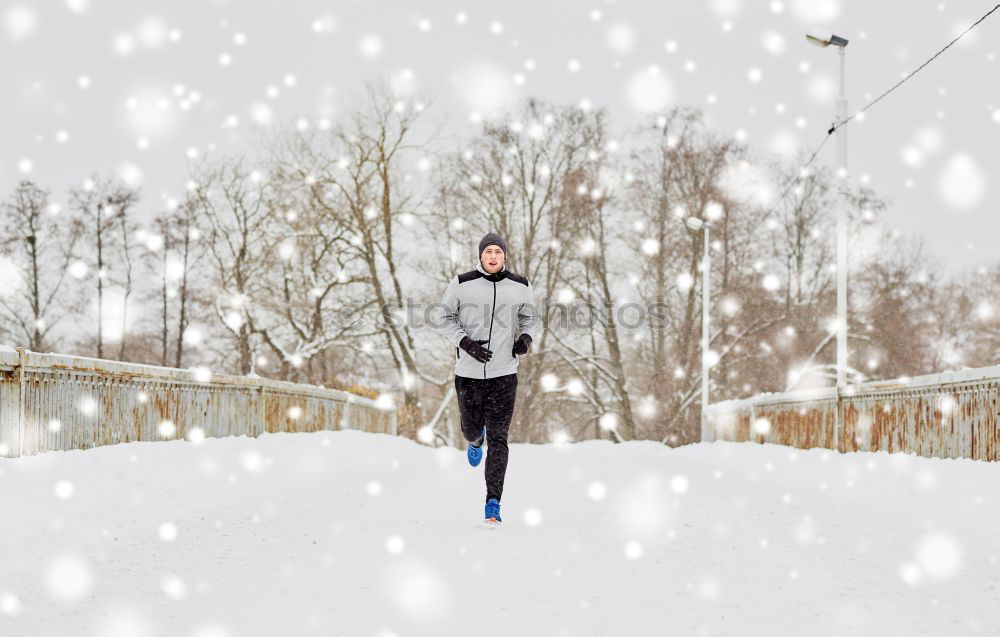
500, 396
471, 408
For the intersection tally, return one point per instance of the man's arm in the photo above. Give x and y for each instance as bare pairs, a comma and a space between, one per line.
450, 326
527, 315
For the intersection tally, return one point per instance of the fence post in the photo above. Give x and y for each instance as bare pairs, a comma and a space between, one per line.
20, 401
345, 415
263, 410
838, 418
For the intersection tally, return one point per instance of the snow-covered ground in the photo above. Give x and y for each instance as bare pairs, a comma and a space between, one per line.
346, 533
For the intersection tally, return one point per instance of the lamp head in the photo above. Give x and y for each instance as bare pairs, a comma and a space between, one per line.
694, 223
824, 38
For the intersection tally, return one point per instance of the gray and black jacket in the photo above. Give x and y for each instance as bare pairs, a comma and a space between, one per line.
493, 309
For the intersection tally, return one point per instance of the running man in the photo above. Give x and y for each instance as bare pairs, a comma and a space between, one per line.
490, 317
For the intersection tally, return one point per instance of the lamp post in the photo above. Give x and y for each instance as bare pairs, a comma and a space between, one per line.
824, 38
696, 223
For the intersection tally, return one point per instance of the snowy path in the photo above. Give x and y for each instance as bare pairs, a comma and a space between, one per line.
345, 533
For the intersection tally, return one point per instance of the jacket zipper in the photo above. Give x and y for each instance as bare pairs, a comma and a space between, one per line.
493, 311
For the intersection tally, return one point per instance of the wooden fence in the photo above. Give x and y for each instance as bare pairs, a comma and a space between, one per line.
949, 415
50, 402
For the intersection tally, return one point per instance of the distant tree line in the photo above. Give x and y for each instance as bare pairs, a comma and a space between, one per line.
301, 259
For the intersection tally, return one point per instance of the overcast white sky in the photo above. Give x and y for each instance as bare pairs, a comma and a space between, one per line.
130, 87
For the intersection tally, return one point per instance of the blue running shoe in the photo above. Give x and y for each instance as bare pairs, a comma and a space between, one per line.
493, 511
475, 452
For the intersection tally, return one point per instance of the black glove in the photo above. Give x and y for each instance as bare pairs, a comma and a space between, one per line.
521, 345
475, 349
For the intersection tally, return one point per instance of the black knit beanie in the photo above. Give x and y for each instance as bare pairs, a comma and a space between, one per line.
492, 239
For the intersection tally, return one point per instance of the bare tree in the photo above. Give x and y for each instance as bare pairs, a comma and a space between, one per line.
103, 208
126, 228
894, 300
595, 268
361, 188
185, 240
318, 291
236, 201
39, 242
981, 292
685, 170
176, 253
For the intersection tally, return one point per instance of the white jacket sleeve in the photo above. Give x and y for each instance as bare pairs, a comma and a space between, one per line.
450, 325
527, 316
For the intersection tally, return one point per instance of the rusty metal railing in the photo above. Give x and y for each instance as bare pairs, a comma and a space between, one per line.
948, 415
53, 402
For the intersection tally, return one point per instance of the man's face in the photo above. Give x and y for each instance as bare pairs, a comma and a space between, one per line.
492, 258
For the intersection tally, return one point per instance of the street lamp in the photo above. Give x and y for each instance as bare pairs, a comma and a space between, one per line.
823, 38
696, 223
